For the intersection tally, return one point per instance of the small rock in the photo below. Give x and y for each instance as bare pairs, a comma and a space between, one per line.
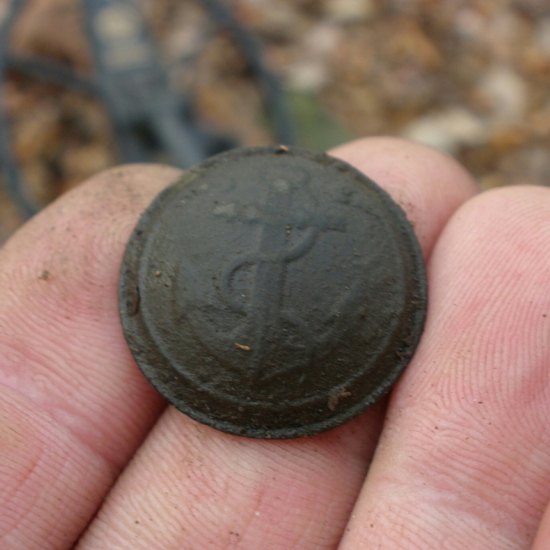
309, 72
308, 75
469, 24
349, 11
281, 22
542, 35
528, 165
322, 39
3, 11
503, 93
447, 130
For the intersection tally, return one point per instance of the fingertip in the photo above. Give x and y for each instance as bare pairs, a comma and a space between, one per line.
383, 155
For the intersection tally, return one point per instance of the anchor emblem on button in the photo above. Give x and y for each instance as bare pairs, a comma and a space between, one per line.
286, 225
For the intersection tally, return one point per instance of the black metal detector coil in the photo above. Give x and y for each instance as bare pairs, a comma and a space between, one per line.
133, 84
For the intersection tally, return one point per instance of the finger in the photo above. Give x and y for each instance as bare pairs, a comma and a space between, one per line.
464, 457
192, 487
73, 406
428, 186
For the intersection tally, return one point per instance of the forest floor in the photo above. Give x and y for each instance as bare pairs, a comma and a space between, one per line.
470, 78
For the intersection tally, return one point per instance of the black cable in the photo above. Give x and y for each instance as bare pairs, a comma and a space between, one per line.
183, 137
253, 53
50, 71
181, 140
14, 181
136, 89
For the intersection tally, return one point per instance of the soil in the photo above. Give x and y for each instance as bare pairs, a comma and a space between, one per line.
470, 78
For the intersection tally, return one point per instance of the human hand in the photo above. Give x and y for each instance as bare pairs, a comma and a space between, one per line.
89, 452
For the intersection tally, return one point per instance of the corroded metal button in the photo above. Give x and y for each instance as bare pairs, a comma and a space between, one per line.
273, 292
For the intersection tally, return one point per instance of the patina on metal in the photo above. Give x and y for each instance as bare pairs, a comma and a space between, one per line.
273, 292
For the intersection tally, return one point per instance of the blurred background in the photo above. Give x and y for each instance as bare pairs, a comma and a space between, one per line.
470, 77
